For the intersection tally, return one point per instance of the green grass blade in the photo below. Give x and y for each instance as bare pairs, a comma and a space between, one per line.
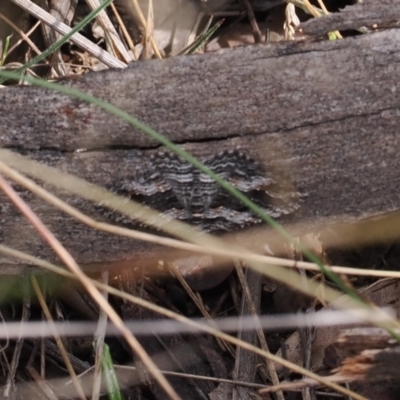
5, 50
203, 39
110, 376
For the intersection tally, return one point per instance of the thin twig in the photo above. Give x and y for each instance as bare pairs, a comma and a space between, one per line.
252, 19
124, 31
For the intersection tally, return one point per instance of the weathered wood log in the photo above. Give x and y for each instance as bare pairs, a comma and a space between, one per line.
326, 113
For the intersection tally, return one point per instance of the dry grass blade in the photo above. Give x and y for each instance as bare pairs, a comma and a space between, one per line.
149, 31
27, 34
166, 326
296, 385
148, 37
77, 38
88, 285
12, 367
99, 342
200, 305
248, 305
22, 34
124, 31
64, 12
110, 31
44, 386
206, 378
57, 337
316, 13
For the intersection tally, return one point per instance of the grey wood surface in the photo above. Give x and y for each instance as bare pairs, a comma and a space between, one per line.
325, 114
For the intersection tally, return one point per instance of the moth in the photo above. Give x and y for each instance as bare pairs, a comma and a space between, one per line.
176, 188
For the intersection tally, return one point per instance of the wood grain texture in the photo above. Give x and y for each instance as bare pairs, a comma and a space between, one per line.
324, 115
248, 91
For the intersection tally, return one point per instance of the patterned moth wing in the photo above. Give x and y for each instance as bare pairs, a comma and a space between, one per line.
244, 173
201, 198
181, 177
148, 185
249, 177
174, 187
